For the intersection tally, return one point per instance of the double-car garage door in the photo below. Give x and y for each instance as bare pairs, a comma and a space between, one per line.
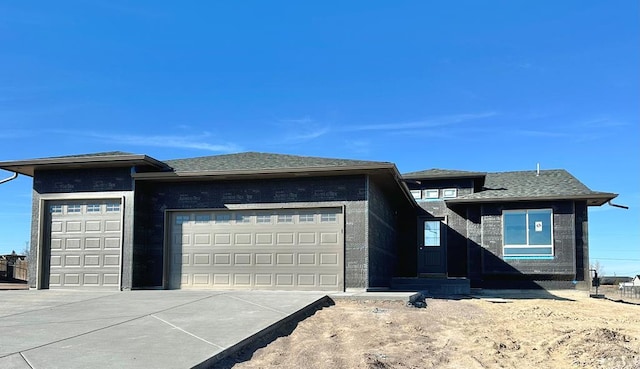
298, 249
83, 245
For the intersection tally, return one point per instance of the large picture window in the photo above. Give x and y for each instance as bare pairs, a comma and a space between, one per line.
528, 233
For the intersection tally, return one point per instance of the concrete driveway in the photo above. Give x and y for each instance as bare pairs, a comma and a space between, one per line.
138, 329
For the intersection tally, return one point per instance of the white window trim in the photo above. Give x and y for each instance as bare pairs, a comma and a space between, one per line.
417, 194
428, 194
455, 193
527, 246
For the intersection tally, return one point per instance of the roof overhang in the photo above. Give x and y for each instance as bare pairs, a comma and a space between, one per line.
28, 167
224, 175
446, 176
386, 172
596, 199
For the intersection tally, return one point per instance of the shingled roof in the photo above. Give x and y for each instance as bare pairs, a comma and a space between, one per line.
554, 184
82, 161
255, 161
436, 173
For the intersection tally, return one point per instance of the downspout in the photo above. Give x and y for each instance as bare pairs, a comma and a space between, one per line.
14, 176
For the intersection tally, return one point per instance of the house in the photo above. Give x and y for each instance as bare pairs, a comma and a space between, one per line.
268, 221
504, 230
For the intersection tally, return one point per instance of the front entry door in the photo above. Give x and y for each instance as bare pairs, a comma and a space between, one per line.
432, 255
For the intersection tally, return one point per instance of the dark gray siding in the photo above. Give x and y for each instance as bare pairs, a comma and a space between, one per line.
583, 276
464, 186
83, 180
65, 183
474, 242
153, 198
382, 224
455, 221
563, 263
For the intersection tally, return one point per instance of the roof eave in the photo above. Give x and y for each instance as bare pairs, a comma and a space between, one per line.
592, 200
260, 173
444, 176
28, 167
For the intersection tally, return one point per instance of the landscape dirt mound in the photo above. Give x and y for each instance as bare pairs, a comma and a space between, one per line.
567, 331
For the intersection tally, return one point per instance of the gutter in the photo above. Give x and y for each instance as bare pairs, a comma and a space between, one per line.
617, 206
14, 176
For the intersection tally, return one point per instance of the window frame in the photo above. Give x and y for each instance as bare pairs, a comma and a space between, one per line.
445, 196
417, 194
264, 219
91, 208
528, 244
328, 217
222, 218
306, 218
204, 218
437, 231
112, 207
428, 194
74, 209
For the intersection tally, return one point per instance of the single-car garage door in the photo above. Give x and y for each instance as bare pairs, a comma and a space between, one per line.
83, 248
263, 249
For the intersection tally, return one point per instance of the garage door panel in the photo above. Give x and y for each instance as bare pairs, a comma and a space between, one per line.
221, 279
242, 259
202, 239
91, 279
329, 259
84, 241
72, 243
285, 259
91, 260
264, 259
222, 239
56, 226
112, 226
92, 243
306, 238
243, 239
72, 260
285, 238
93, 226
264, 239
328, 280
112, 242
222, 259
56, 244
75, 226
265, 280
261, 249
202, 259
242, 280
306, 259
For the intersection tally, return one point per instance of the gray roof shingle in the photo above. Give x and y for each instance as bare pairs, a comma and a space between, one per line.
526, 185
442, 173
254, 161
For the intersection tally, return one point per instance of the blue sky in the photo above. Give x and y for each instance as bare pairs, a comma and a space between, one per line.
468, 85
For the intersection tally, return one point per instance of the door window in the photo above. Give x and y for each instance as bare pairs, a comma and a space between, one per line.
432, 233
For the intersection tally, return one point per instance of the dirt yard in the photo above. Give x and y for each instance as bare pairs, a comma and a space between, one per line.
564, 330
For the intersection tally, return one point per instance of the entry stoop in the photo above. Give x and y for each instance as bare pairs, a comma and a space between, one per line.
433, 286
